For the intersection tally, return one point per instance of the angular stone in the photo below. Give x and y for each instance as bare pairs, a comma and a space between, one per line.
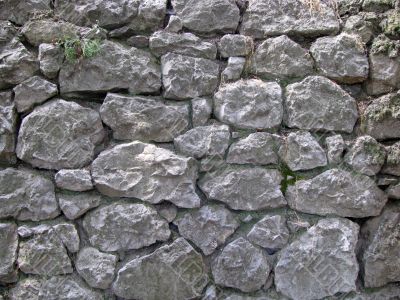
148, 173
264, 18
8, 128
242, 266
282, 58
342, 58
68, 235
378, 5
163, 42
150, 17
208, 227
361, 25
270, 232
204, 140
235, 45
349, 6
208, 16
244, 188
392, 164
167, 210
301, 151
249, 104
316, 103
144, 118
393, 191
77, 180
76, 205
34, 90
26, 196
201, 111
96, 268
59, 134
174, 24
20, 12
174, 271
234, 69
187, 77
337, 192
50, 59
27, 288
260, 148
8, 249
7, 32
121, 226
335, 147
321, 262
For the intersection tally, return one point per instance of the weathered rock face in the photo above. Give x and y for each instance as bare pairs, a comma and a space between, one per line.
8, 249
27, 288
174, 271
75, 205
141, 226
322, 262
77, 180
337, 192
144, 118
392, 164
268, 17
59, 134
19, 11
201, 111
244, 188
249, 104
148, 173
26, 196
232, 45
282, 58
50, 59
208, 227
187, 77
242, 266
316, 103
361, 25
335, 147
8, 128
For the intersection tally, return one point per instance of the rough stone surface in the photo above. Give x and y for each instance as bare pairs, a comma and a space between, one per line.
201, 111
377, 5
393, 191
392, 164
122, 226
144, 118
20, 11
337, 192
8, 249
50, 59
163, 274
27, 288
8, 128
235, 45
244, 188
316, 103
326, 251
74, 206
335, 147
234, 69
208, 227
59, 134
361, 25
249, 104
174, 24
77, 180
69, 236
7, 32
148, 173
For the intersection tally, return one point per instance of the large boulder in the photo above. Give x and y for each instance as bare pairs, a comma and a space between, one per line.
59, 134
8, 128
8, 249
148, 173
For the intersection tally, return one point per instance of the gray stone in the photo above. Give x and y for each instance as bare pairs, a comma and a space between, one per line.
249, 104
204, 140
235, 45
316, 103
342, 58
26, 196
392, 164
27, 288
268, 17
163, 42
337, 192
378, 5
95, 267
349, 6
321, 262
244, 188
32, 91
150, 17
167, 210
208, 16
270, 232
50, 59
335, 147
393, 191
390, 291
242, 266
234, 69
360, 25
8, 128
59, 134
138, 41
210, 293
212, 163
208, 227
174, 24
8, 249
187, 77
174, 271
20, 11
366, 155
78, 180
260, 148
301, 151
148, 173
74, 206
201, 111
69, 236
122, 226
144, 118
7, 32
282, 58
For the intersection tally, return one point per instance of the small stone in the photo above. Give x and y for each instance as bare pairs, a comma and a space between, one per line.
32, 91
234, 69
50, 59
174, 24
242, 266
378, 5
68, 235
362, 26
393, 191
76, 205
7, 32
78, 180
349, 7
8, 249
208, 227
210, 293
138, 41
150, 16
335, 147
201, 111
8, 128
167, 210
96, 268
235, 45
392, 164
25, 289
212, 163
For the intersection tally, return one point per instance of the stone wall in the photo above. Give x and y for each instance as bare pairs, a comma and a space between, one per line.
199, 149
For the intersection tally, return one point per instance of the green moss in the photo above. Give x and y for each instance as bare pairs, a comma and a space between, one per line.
376, 152
383, 45
392, 25
75, 48
289, 177
380, 111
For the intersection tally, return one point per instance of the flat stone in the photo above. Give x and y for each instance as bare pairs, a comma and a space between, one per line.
187, 77
321, 262
235, 45
27, 288
234, 69
144, 118
335, 147
249, 104
148, 173
78, 180
242, 266
8, 128
8, 249
59, 134
316, 103
392, 164
174, 271
244, 188
121, 226
201, 111
50, 59
337, 192
393, 191
208, 227
74, 206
